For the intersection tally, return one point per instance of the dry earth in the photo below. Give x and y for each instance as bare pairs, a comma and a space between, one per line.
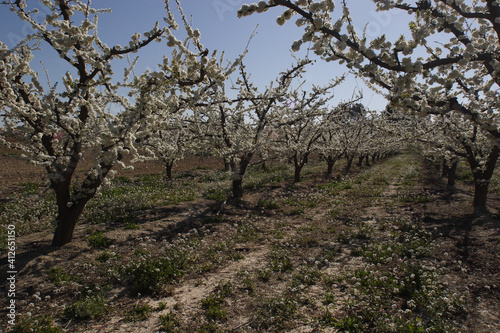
467, 247
15, 171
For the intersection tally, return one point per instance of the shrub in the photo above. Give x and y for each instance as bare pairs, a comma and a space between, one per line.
140, 312
216, 193
58, 275
274, 312
170, 323
90, 307
97, 240
149, 276
268, 204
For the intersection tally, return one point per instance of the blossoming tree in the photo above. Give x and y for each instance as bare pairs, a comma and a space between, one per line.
454, 138
243, 127
300, 124
170, 141
54, 125
459, 75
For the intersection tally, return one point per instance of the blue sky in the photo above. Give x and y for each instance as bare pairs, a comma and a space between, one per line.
221, 29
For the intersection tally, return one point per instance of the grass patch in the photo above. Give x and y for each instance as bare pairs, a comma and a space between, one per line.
396, 275
59, 276
149, 276
30, 188
216, 193
97, 240
131, 226
170, 323
42, 324
268, 203
90, 307
140, 312
414, 197
274, 313
212, 304
29, 212
279, 260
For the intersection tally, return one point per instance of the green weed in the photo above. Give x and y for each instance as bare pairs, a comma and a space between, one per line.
58, 275
90, 307
30, 188
280, 260
212, 304
42, 324
306, 276
150, 275
273, 313
131, 226
268, 203
140, 312
329, 298
246, 232
216, 193
97, 240
170, 323
264, 275
105, 256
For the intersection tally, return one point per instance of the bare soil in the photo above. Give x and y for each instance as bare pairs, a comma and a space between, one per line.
16, 171
468, 247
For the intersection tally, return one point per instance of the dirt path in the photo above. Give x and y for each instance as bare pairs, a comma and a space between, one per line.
189, 295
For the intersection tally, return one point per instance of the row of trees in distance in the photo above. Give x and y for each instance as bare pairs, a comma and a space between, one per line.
446, 69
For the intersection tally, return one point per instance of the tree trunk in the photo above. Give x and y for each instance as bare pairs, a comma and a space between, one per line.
480, 194
330, 161
367, 160
263, 161
482, 176
227, 165
67, 217
437, 166
298, 169
238, 175
238, 188
349, 164
444, 172
68, 211
168, 168
452, 171
360, 160
298, 165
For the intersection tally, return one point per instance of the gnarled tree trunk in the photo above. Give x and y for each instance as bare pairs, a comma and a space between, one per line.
299, 163
70, 208
330, 162
238, 173
67, 217
482, 176
347, 168
452, 175
169, 165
